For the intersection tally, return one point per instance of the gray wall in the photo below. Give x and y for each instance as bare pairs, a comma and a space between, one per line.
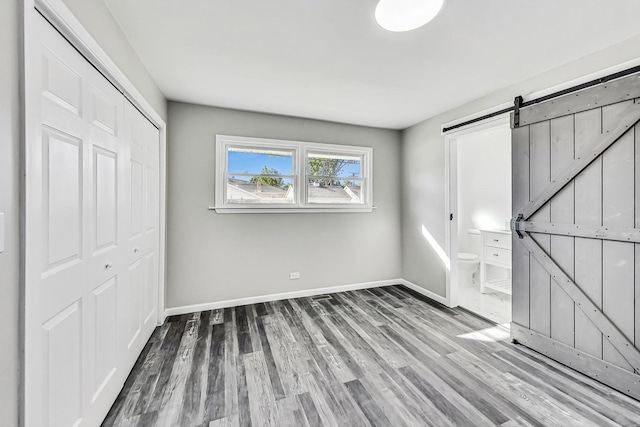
9, 190
217, 257
100, 23
423, 167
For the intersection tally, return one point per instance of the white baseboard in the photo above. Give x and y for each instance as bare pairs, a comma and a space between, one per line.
427, 293
282, 296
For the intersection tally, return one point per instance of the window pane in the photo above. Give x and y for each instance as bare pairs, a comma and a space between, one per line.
259, 189
337, 192
333, 165
260, 161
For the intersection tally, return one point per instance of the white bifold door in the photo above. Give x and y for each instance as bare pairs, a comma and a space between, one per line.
92, 235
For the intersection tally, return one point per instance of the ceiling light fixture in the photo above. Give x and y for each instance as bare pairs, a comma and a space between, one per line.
406, 15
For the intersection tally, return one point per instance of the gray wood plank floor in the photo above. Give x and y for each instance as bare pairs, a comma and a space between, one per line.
377, 357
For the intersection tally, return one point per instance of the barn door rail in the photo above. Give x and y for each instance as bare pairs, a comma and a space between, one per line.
520, 103
610, 331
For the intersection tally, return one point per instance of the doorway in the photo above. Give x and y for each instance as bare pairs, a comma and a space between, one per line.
480, 207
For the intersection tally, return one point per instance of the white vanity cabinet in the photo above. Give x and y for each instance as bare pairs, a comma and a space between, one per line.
496, 250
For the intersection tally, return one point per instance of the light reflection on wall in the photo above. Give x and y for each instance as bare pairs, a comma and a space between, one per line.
436, 247
482, 220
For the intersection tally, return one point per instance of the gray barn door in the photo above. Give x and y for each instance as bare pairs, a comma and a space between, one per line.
576, 246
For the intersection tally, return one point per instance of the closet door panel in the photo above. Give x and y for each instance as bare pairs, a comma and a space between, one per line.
55, 236
64, 405
152, 225
137, 192
62, 198
149, 302
88, 268
105, 178
106, 332
133, 294
143, 143
62, 81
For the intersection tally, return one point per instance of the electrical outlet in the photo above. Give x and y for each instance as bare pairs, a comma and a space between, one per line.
294, 275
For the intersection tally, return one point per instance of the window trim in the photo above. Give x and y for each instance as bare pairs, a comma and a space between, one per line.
300, 150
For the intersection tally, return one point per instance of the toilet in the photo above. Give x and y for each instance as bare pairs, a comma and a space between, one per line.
467, 268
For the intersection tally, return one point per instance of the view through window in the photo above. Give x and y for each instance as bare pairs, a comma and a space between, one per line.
260, 173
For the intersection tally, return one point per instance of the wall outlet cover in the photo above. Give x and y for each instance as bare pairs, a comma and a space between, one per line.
294, 275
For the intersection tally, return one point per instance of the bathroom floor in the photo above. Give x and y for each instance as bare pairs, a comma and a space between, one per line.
493, 305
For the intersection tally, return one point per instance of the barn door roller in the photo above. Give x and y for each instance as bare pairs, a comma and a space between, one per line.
517, 104
516, 225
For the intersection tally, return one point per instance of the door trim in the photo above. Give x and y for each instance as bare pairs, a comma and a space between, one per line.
451, 196
59, 15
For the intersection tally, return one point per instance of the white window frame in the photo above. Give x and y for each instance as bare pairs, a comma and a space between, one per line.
300, 150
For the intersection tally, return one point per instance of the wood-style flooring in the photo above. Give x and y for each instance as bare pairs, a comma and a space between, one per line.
377, 357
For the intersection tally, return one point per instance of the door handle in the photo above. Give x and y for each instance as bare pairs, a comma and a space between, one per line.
108, 265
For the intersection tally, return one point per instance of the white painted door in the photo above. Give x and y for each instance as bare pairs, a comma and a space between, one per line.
79, 293
143, 235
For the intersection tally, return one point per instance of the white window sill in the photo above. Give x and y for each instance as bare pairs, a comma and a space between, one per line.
242, 210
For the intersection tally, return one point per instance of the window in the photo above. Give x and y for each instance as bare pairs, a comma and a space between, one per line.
259, 176
333, 178
263, 175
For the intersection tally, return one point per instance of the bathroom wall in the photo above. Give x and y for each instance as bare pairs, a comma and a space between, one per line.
484, 184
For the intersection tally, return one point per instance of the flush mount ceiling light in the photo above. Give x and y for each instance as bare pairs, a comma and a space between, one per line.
406, 15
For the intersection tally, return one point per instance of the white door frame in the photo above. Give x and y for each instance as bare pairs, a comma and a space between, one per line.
59, 15
451, 194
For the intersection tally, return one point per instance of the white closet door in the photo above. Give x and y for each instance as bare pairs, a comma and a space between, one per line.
79, 297
143, 235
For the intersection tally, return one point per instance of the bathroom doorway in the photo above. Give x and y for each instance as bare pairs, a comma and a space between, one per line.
480, 210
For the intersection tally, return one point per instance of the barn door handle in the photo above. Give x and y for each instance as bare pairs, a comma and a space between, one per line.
516, 225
